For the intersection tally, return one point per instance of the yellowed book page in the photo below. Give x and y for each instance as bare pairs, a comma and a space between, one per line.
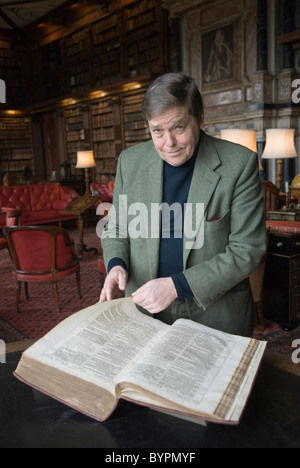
192, 367
92, 347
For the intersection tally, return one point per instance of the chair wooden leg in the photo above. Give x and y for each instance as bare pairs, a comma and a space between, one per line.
55, 289
26, 290
78, 284
18, 293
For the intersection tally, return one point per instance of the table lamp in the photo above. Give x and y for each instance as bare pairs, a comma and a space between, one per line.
280, 144
85, 160
243, 137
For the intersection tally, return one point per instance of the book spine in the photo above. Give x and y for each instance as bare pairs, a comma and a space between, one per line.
284, 226
284, 216
288, 229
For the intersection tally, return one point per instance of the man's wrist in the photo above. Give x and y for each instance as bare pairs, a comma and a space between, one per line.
116, 261
183, 290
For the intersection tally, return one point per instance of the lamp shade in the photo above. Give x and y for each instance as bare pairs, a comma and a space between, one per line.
241, 136
85, 159
280, 144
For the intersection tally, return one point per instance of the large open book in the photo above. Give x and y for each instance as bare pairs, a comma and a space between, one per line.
111, 351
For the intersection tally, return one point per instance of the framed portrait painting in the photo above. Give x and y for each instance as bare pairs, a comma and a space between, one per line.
218, 55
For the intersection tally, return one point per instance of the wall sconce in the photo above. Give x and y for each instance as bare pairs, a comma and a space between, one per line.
280, 144
85, 160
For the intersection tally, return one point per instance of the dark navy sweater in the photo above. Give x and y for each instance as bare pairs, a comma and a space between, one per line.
177, 181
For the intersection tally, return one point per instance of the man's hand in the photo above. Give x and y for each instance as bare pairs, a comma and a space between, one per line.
116, 278
156, 295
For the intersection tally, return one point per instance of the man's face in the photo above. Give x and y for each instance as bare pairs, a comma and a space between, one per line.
175, 134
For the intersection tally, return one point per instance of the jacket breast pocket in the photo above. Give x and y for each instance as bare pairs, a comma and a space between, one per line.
221, 224
216, 236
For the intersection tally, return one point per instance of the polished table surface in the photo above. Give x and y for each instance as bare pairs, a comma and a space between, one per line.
29, 419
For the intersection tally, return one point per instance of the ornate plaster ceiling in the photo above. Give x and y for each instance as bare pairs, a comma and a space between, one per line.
17, 14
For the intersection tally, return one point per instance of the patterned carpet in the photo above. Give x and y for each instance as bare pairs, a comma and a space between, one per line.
279, 340
38, 313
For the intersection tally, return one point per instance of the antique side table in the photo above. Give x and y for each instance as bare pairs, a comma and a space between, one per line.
78, 207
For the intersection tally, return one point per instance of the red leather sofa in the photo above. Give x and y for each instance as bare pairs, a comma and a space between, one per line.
39, 203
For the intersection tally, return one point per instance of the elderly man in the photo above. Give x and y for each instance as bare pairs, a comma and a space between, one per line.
166, 270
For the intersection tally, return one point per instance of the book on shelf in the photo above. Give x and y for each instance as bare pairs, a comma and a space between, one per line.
284, 215
137, 134
111, 351
21, 153
284, 226
74, 126
103, 120
104, 150
105, 133
110, 166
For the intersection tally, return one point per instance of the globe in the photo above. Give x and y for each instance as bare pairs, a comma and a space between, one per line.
295, 187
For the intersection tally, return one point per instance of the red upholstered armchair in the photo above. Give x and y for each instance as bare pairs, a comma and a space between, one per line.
3, 244
41, 253
12, 219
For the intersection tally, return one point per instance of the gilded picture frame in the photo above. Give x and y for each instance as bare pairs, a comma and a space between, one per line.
219, 55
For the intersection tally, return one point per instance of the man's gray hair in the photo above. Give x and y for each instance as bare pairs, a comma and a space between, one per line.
172, 90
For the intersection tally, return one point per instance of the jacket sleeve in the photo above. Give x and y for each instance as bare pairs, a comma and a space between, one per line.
114, 239
237, 247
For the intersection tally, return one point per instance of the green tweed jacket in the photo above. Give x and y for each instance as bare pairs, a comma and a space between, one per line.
226, 181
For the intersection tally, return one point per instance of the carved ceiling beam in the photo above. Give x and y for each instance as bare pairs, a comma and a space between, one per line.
177, 7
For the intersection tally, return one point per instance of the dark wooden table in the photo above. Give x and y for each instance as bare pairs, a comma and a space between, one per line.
78, 207
31, 419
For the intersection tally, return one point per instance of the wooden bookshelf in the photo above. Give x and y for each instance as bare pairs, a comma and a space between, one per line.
107, 137
146, 37
76, 121
106, 48
122, 44
107, 53
15, 146
145, 56
143, 15
77, 59
135, 128
53, 71
114, 56
11, 71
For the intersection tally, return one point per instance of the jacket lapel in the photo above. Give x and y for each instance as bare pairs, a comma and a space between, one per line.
203, 185
153, 192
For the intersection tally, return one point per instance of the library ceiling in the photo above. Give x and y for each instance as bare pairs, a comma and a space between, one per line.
17, 14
